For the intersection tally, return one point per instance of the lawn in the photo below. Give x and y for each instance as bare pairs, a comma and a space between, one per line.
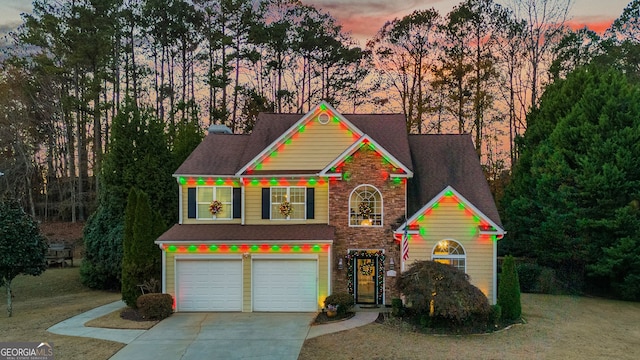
558, 327
40, 302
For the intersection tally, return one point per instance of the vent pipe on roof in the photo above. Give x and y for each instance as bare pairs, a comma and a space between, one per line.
219, 129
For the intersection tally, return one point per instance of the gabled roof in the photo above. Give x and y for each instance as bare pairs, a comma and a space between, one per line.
486, 224
448, 160
237, 232
226, 155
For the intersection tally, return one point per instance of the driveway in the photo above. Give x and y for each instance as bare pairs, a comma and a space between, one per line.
222, 336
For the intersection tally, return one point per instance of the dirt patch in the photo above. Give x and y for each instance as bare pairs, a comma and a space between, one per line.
560, 327
43, 301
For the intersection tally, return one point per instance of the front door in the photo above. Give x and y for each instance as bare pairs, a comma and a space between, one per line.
366, 270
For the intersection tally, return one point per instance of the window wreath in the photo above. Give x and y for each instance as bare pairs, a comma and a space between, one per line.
215, 207
286, 209
364, 210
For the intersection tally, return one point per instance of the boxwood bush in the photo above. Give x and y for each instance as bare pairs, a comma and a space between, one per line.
155, 306
343, 300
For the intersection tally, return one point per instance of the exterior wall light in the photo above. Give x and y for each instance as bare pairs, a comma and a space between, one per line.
340, 264
392, 264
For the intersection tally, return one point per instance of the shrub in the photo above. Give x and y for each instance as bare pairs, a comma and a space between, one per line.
155, 306
397, 308
528, 275
433, 289
101, 266
496, 314
509, 290
547, 282
343, 300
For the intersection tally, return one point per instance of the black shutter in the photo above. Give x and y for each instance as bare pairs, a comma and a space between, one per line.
191, 203
266, 203
311, 203
237, 203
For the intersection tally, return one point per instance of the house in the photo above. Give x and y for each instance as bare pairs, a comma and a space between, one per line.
308, 205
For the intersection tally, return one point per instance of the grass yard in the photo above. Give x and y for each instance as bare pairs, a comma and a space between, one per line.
558, 327
40, 302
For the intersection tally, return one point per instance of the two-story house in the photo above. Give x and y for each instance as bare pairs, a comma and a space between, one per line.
309, 205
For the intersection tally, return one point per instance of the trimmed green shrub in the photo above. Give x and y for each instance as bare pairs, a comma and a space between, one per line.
528, 275
496, 314
343, 300
397, 308
155, 306
441, 291
509, 290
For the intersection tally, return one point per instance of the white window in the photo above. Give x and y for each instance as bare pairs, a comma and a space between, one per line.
288, 203
365, 206
450, 252
207, 195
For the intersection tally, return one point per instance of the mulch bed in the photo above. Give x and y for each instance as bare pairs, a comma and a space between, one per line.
322, 318
131, 314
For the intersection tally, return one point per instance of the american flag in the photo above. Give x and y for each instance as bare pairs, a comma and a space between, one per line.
405, 244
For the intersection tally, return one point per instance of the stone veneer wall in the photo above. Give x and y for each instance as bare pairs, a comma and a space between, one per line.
366, 167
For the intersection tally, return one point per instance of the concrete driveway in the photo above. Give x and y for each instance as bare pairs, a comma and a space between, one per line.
222, 336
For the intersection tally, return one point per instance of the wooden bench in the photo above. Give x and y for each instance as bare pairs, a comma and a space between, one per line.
59, 254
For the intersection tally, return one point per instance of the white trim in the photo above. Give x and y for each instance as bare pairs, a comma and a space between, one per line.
207, 257
495, 272
356, 145
304, 119
257, 256
384, 275
164, 273
214, 197
242, 201
180, 203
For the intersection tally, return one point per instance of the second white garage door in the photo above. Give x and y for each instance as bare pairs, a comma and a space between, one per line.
285, 285
209, 285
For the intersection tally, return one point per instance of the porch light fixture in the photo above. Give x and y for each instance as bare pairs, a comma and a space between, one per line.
340, 264
392, 264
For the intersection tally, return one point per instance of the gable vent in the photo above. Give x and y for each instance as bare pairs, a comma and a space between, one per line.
219, 129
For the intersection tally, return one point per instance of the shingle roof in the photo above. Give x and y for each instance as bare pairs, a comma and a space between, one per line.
226, 154
249, 233
443, 160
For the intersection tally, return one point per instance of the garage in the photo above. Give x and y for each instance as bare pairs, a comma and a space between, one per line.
209, 285
285, 285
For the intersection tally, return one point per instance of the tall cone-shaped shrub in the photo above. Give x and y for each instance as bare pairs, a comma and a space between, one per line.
509, 290
130, 290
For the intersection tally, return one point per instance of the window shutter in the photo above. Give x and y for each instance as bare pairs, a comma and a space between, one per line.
311, 203
266, 203
237, 203
191, 203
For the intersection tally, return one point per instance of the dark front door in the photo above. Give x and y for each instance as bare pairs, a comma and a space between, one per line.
366, 270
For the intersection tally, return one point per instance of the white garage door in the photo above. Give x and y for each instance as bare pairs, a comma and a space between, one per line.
209, 285
285, 285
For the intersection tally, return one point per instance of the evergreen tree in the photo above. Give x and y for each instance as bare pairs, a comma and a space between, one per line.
22, 248
130, 289
509, 290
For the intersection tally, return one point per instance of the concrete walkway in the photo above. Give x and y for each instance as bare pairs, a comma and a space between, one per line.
189, 335
75, 326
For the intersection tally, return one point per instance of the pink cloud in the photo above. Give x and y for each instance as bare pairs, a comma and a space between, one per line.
599, 24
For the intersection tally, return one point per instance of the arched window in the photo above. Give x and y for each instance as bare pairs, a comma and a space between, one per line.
450, 252
365, 206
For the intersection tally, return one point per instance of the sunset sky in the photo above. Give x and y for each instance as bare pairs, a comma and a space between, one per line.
364, 17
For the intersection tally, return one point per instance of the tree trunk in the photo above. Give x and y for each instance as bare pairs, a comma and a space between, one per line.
7, 285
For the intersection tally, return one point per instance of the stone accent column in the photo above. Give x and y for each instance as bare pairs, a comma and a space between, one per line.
366, 167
